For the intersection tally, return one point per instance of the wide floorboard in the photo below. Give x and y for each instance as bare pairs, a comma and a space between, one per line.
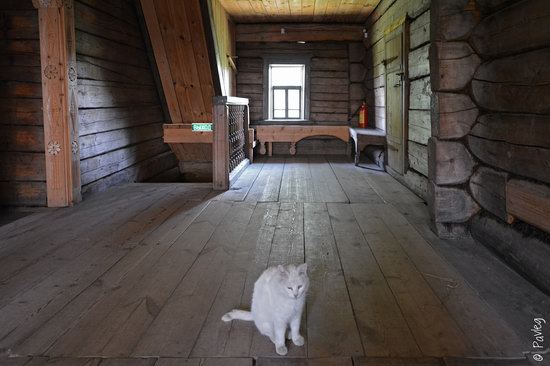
141, 275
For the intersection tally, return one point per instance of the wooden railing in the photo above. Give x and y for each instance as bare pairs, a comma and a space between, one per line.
230, 152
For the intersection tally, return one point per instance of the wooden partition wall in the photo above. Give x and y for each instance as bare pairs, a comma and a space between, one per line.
181, 39
179, 43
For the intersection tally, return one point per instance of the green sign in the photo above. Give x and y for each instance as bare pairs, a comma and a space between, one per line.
200, 127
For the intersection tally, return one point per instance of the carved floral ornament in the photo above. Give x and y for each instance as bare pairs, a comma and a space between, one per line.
74, 147
72, 75
50, 72
54, 147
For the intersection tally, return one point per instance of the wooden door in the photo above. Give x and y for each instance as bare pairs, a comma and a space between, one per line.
395, 100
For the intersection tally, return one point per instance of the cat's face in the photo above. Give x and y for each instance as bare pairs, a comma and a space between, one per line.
294, 281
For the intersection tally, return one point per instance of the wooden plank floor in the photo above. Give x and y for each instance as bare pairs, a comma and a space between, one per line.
141, 274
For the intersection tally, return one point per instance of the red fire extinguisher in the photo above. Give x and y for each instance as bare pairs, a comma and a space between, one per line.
363, 116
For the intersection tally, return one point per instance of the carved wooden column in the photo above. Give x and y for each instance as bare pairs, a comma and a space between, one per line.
59, 95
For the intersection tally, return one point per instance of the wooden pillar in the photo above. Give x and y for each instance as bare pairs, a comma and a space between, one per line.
59, 96
220, 147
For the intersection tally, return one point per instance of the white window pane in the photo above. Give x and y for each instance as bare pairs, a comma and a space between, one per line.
279, 100
277, 113
287, 75
293, 113
294, 99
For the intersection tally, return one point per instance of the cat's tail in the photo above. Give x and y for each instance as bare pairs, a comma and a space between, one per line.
237, 314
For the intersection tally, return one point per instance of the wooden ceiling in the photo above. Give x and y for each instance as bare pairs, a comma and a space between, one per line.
299, 11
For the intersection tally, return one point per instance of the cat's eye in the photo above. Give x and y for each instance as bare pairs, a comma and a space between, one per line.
290, 288
299, 287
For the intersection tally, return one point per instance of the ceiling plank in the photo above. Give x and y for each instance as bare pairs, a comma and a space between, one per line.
299, 11
308, 8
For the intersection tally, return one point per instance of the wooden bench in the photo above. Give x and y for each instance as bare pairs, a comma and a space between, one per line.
268, 134
363, 137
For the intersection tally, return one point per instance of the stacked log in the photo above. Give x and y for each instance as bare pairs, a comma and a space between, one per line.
490, 151
22, 163
453, 63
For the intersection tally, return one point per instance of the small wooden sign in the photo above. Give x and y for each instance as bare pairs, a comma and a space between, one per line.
201, 127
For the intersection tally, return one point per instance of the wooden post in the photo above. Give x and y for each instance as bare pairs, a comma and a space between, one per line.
220, 148
246, 126
222, 176
59, 98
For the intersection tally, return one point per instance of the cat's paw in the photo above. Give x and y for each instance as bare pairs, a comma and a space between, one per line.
281, 350
299, 341
226, 317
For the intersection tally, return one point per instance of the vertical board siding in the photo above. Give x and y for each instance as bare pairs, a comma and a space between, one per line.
22, 163
224, 32
119, 106
184, 41
380, 23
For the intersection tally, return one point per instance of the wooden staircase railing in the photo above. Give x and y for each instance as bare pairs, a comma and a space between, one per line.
231, 152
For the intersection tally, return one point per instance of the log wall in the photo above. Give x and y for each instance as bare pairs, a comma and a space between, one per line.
335, 84
329, 77
490, 154
120, 110
382, 21
22, 162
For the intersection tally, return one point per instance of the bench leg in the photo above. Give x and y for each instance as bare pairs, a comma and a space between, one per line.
357, 152
270, 148
262, 147
292, 149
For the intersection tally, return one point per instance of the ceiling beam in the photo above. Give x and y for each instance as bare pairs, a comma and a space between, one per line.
307, 32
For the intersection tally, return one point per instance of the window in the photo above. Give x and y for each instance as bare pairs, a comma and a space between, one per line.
286, 93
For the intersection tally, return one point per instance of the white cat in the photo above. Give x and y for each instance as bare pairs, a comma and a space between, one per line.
277, 303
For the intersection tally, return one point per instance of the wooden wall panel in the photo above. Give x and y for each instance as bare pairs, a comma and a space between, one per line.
183, 39
490, 124
120, 110
381, 22
226, 47
22, 162
329, 77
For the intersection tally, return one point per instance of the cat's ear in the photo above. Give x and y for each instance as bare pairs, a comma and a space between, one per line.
302, 269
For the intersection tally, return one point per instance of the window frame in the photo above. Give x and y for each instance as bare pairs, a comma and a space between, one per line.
268, 105
286, 89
